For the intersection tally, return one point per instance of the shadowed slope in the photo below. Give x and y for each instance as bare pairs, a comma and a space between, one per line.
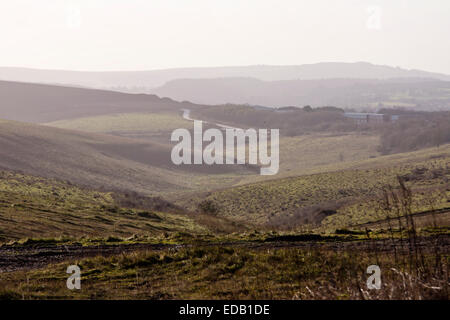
44, 103
97, 160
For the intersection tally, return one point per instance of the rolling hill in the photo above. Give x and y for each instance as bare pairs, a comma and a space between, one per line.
142, 80
425, 94
100, 161
34, 207
335, 197
45, 103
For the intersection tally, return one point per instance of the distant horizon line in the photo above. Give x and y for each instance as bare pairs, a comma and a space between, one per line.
218, 67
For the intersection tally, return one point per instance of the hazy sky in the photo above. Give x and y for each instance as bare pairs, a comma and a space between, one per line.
153, 34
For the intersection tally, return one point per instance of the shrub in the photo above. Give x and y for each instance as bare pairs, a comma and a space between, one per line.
208, 207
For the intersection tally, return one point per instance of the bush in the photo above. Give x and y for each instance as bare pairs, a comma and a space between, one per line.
208, 207
413, 132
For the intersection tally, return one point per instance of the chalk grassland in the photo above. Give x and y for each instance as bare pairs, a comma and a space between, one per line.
140, 125
248, 266
38, 208
297, 154
314, 153
238, 273
34, 207
44, 212
336, 176
103, 161
309, 199
84, 158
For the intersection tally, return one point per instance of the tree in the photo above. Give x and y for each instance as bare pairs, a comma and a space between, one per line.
307, 108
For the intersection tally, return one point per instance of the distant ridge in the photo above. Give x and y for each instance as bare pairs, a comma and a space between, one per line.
156, 78
423, 93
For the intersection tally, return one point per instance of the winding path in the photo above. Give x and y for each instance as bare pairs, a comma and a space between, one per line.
187, 116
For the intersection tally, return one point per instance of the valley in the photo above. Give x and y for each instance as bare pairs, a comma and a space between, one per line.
91, 183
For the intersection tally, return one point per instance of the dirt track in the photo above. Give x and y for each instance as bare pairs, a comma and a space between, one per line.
14, 258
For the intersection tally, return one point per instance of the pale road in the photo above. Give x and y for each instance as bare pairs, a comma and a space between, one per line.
187, 116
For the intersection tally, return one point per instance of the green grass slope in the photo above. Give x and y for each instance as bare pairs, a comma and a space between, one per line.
34, 207
309, 199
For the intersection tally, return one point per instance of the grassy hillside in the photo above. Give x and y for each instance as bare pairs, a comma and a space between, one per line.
147, 126
309, 199
34, 207
298, 154
103, 161
124, 123
224, 272
307, 153
92, 187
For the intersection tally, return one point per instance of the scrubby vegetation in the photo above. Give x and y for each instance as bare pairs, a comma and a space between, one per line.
235, 273
336, 207
306, 266
291, 122
337, 198
415, 131
33, 207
